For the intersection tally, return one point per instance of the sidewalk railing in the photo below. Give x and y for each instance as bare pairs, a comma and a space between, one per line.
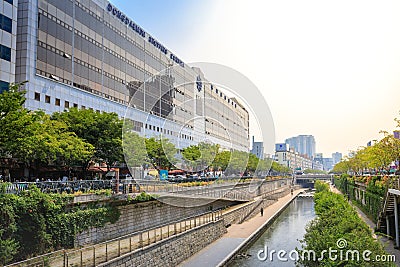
105, 251
60, 186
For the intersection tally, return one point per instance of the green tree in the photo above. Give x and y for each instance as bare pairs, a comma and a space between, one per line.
34, 139
221, 160
238, 162
44, 142
279, 168
321, 186
375, 157
11, 100
191, 155
134, 148
200, 156
314, 171
342, 166
161, 152
264, 166
13, 118
252, 163
102, 130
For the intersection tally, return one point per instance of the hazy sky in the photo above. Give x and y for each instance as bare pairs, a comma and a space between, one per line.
326, 68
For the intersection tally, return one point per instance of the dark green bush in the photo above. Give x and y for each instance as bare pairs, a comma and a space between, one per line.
34, 223
337, 219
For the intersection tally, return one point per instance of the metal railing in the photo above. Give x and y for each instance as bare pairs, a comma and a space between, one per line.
61, 186
135, 186
110, 249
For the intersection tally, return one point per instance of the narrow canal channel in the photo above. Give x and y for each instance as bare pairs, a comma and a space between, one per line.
283, 234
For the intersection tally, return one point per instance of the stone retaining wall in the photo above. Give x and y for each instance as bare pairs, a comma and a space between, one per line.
137, 217
235, 215
174, 250
251, 209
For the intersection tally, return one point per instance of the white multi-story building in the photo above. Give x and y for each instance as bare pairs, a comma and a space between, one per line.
289, 157
88, 54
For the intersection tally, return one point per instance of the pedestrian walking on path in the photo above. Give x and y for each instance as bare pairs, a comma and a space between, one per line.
262, 211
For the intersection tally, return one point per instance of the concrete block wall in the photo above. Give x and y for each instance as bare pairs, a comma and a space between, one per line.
174, 250
235, 215
253, 208
141, 216
264, 204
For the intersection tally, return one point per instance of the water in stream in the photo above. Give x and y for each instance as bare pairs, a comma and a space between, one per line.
283, 234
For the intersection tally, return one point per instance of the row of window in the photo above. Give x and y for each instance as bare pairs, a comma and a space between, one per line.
5, 53
57, 102
5, 23
166, 131
86, 88
224, 96
82, 37
67, 104
114, 30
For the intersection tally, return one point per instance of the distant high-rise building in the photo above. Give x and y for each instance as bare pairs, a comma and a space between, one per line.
304, 144
258, 149
327, 163
337, 157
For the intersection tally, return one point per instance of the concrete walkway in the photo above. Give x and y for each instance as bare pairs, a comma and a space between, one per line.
214, 253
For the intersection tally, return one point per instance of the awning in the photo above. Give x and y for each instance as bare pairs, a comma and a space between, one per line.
99, 169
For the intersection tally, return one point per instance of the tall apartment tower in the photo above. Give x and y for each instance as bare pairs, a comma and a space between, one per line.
304, 144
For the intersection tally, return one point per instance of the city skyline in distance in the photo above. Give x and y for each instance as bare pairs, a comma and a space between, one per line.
326, 69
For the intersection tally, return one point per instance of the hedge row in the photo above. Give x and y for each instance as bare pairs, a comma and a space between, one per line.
338, 227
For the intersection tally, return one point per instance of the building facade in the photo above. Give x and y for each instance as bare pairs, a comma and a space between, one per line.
317, 165
257, 149
287, 156
88, 54
304, 144
337, 157
8, 42
327, 163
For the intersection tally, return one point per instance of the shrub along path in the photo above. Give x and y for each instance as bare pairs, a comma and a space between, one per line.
386, 242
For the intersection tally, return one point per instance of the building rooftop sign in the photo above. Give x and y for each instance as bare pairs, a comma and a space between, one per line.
124, 19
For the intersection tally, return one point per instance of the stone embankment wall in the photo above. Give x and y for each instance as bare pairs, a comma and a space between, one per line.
174, 250
141, 216
251, 209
